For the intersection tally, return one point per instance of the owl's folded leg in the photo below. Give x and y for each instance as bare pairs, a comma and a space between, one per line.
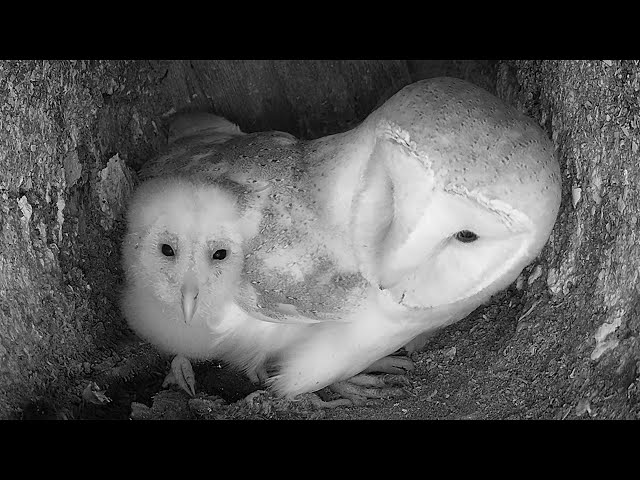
181, 374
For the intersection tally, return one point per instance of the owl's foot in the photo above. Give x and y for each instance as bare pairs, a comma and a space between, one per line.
258, 376
361, 387
181, 374
354, 391
358, 389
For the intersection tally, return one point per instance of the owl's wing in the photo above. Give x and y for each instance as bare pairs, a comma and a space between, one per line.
289, 313
254, 299
195, 144
292, 281
211, 128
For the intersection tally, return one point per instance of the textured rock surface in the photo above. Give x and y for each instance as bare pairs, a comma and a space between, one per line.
60, 123
591, 111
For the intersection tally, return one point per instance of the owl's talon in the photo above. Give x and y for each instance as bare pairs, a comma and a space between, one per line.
400, 380
181, 374
395, 364
258, 376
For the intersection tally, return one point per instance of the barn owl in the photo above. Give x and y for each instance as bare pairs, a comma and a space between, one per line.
359, 242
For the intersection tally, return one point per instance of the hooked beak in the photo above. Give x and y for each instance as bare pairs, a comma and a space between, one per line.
190, 292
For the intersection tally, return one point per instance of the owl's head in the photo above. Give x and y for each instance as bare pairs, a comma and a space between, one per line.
460, 194
184, 245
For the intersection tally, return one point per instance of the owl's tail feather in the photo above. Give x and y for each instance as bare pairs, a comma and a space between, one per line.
216, 129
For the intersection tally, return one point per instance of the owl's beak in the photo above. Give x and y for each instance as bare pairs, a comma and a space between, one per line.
190, 292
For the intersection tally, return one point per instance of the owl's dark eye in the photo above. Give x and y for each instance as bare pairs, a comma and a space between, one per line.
466, 236
167, 251
219, 254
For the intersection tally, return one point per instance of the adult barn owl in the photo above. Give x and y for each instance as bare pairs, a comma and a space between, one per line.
354, 244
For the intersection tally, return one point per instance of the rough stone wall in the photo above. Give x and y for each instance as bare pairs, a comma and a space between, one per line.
60, 124
591, 110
